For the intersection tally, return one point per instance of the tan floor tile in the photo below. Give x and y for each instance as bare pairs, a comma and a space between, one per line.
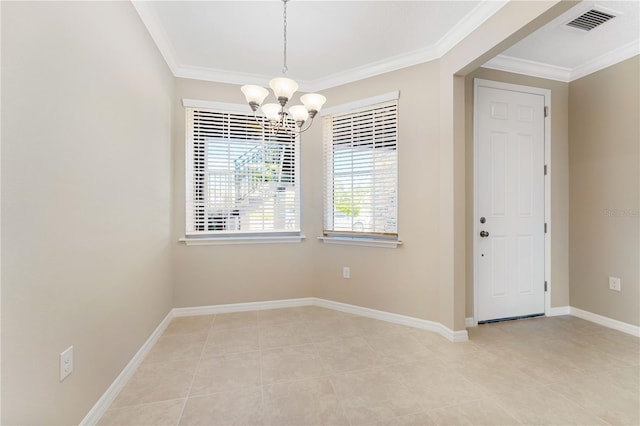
373, 396
441, 346
349, 354
592, 373
235, 320
276, 335
189, 324
547, 372
308, 402
626, 378
436, 383
290, 363
278, 316
231, 340
165, 413
373, 327
419, 419
227, 372
540, 406
491, 373
482, 412
575, 325
603, 399
316, 313
319, 330
242, 407
157, 381
394, 348
178, 346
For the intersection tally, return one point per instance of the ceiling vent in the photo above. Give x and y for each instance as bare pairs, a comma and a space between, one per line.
591, 19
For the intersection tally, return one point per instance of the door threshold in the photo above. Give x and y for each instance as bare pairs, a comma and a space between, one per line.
510, 318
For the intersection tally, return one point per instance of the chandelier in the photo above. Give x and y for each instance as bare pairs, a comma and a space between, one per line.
277, 114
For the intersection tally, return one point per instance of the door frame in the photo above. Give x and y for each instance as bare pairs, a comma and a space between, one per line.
546, 93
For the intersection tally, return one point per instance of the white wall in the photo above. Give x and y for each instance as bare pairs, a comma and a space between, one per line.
86, 114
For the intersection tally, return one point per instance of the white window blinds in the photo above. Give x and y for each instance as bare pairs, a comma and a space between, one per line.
361, 171
239, 178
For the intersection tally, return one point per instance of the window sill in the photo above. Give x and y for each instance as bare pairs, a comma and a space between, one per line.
216, 241
365, 242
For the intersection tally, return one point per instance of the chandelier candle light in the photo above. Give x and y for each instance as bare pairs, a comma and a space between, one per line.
283, 89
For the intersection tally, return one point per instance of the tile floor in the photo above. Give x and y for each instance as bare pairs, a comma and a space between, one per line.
314, 366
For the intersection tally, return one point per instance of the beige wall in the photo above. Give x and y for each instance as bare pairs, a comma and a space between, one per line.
403, 280
408, 280
510, 24
212, 275
86, 114
559, 168
604, 109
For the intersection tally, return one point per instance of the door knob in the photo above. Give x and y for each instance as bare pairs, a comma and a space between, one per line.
484, 234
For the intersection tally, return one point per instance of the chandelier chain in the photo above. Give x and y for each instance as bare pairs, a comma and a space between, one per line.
284, 16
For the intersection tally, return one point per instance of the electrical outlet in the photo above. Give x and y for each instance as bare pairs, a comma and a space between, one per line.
614, 284
66, 363
346, 272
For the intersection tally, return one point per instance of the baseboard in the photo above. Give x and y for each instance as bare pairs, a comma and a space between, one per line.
96, 412
111, 393
470, 322
242, 307
624, 327
454, 336
558, 311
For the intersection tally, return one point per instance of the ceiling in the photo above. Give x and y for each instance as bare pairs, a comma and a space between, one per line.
336, 42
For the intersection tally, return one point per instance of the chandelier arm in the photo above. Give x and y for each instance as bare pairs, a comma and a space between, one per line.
303, 129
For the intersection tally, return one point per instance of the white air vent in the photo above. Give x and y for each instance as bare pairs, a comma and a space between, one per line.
591, 19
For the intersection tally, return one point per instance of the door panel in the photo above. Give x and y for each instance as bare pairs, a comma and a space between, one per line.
510, 196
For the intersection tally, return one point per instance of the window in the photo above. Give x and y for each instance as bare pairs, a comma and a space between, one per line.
361, 170
241, 181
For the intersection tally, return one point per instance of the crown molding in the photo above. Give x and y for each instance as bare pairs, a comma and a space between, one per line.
611, 58
472, 20
375, 68
465, 27
567, 75
531, 68
157, 32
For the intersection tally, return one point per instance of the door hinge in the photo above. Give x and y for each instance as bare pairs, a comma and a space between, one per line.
545, 169
545, 228
545, 286
546, 111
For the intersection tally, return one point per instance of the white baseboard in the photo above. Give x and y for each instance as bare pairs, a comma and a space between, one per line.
470, 322
96, 412
558, 311
111, 393
634, 330
454, 336
242, 307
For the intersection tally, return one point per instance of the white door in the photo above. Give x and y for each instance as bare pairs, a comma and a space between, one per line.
509, 203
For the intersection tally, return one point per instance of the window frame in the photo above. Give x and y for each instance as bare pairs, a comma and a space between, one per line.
376, 239
212, 237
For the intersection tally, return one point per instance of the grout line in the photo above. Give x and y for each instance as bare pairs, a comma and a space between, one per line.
195, 373
365, 335
264, 407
